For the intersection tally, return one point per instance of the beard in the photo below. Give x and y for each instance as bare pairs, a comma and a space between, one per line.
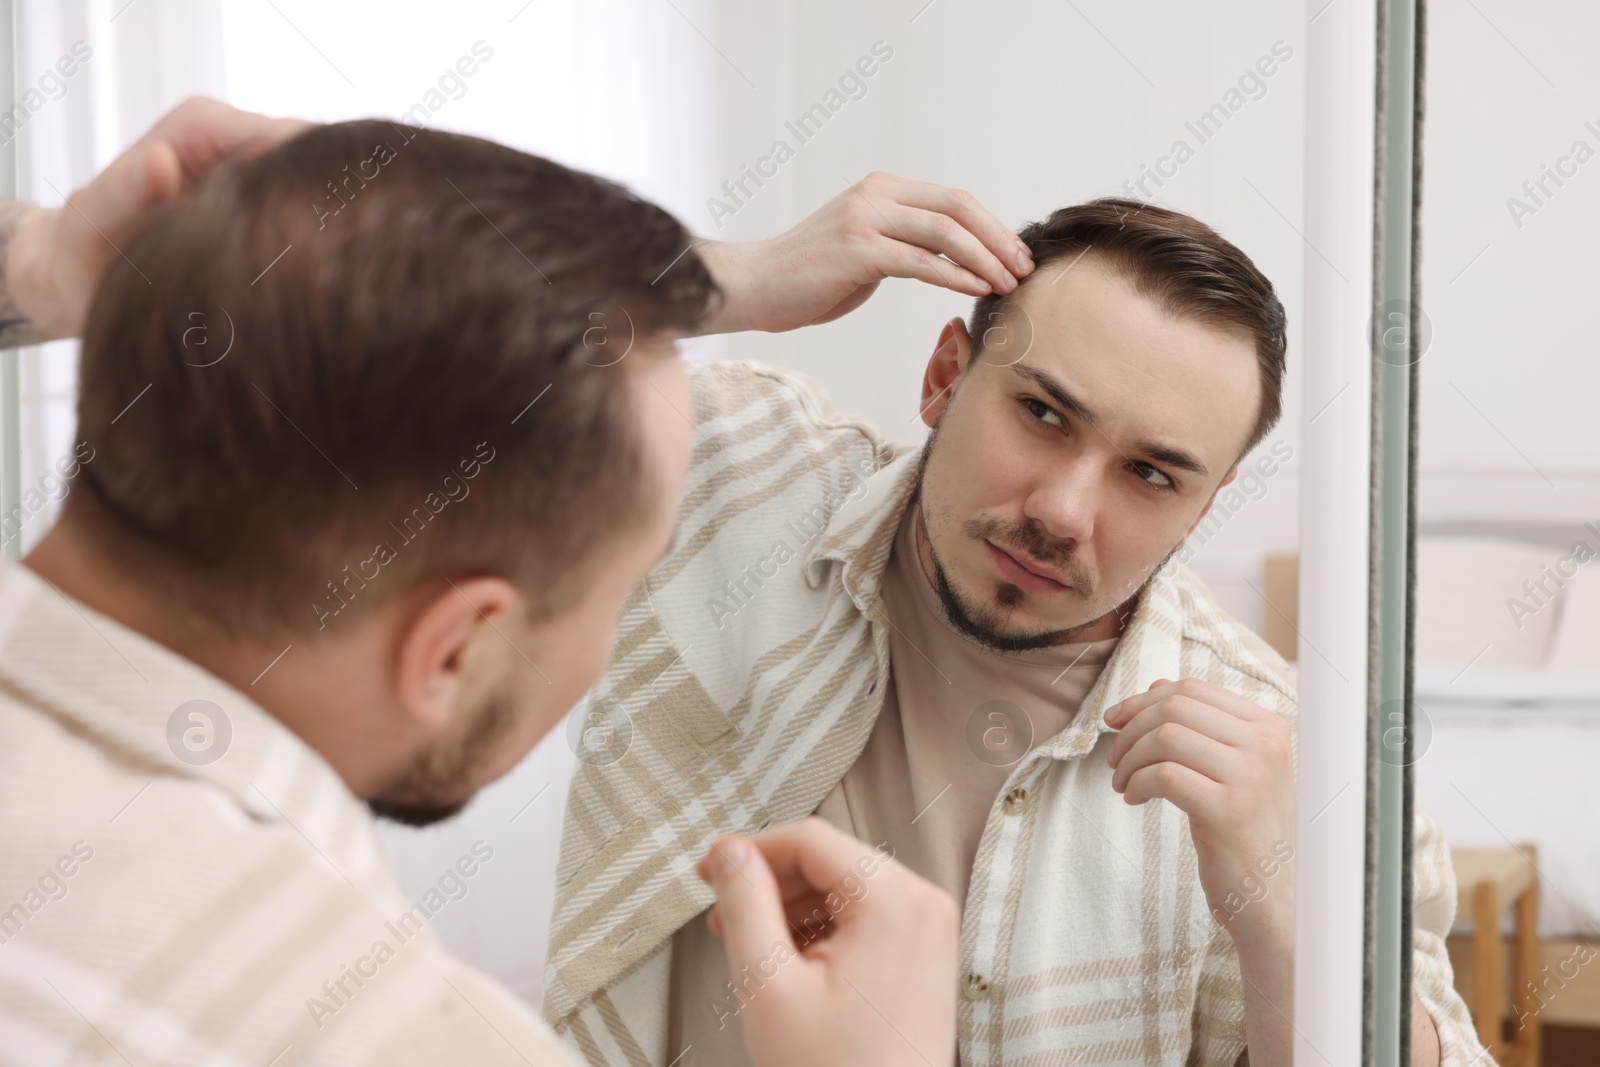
984, 619
437, 784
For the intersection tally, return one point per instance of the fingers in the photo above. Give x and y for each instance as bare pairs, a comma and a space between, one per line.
1185, 788
1005, 247
946, 222
1178, 712
805, 861
806, 912
810, 915
202, 130
1173, 743
1120, 714
167, 160
901, 259
749, 908
158, 174
942, 234
812, 856
810, 860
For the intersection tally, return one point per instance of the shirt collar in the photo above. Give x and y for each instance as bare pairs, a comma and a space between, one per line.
861, 532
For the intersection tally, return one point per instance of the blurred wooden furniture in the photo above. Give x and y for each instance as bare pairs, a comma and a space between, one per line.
1489, 882
1568, 986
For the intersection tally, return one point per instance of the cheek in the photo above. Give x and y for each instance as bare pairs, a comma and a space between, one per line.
981, 462
1128, 547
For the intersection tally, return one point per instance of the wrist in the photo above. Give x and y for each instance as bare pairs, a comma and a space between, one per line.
733, 267
1265, 940
27, 273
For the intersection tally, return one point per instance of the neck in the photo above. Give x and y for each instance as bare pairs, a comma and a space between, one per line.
316, 696
66, 560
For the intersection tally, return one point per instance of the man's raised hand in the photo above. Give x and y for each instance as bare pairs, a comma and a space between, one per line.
841, 955
882, 226
53, 262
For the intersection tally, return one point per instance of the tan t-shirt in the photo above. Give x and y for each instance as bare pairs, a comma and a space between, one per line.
957, 717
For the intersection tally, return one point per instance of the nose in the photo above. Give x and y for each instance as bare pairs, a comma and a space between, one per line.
1066, 501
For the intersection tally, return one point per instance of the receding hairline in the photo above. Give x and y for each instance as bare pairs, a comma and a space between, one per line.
520, 371
1181, 457
1109, 266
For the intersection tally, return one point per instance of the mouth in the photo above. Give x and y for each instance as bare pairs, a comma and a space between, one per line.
1024, 573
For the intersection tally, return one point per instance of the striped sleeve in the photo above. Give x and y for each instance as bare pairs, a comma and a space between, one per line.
1433, 980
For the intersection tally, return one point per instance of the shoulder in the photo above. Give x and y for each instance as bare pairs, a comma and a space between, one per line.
136, 884
771, 456
726, 390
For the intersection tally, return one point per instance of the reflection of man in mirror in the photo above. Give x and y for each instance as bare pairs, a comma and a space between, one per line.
1125, 874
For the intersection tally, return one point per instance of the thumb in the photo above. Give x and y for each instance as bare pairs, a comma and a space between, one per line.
118, 199
748, 900
160, 174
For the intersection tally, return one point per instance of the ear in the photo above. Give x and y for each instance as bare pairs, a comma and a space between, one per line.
950, 357
447, 634
1233, 472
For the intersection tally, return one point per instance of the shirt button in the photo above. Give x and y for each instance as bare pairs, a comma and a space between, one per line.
975, 988
1016, 800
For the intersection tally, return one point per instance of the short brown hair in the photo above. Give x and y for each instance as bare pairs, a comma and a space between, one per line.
1179, 262
412, 318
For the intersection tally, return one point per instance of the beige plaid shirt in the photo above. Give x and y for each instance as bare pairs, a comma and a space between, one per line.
183, 881
748, 672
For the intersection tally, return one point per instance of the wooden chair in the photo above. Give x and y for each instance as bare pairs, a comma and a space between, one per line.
1488, 882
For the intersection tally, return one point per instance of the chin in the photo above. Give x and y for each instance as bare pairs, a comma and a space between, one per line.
409, 813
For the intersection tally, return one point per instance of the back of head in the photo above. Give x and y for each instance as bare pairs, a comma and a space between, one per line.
375, 351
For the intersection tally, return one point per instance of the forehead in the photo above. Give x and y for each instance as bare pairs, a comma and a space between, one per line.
1145, 374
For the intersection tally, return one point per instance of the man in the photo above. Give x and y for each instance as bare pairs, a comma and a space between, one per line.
979, 655
362, 493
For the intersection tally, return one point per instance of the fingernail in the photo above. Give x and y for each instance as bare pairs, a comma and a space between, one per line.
1011, 281
1024, 260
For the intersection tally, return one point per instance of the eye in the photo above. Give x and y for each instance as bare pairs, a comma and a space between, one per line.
1153, 477
1041, 411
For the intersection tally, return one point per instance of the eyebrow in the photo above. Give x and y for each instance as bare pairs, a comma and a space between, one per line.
1172, 457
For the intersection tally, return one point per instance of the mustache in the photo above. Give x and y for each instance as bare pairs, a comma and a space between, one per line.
1030, 541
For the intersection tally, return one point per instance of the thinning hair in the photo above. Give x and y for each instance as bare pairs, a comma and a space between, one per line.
413, 387
1188, 269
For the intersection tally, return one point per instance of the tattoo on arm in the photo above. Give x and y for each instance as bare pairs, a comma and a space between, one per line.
16, 328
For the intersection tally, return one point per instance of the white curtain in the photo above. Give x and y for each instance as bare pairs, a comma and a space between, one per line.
623, 88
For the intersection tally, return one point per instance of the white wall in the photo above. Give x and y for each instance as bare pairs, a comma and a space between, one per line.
1509, 386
